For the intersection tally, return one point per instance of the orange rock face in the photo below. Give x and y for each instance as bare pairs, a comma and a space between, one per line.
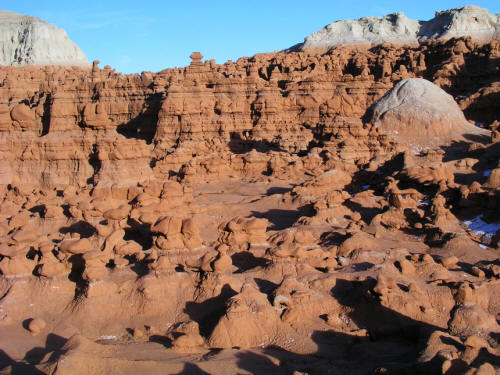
63, 127
262, 207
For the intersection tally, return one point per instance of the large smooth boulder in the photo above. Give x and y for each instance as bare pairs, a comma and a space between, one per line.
419, 113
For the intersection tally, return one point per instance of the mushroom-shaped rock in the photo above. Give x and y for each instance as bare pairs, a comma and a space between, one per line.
168, 233
250, 321
223, 261
19, 220
336, 179
167, 225
52, 269
27, 233
325, 183
190, 234
239, 231
476, 342
419, 113
17, 265
471, 319
384, 284
119, 213
76, 246
449, 262
113, 239
128, 248
188, 337
163, 263
95, 265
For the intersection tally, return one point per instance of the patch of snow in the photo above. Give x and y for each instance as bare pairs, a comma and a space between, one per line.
481, 227
107, 337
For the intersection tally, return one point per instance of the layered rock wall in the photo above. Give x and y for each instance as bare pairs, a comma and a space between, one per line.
262, 115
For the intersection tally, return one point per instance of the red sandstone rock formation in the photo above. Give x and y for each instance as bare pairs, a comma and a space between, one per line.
250, 204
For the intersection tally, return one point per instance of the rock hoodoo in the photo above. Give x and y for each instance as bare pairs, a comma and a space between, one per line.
289, 212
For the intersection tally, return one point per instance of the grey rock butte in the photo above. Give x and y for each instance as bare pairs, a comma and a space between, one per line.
471, 21
26, 40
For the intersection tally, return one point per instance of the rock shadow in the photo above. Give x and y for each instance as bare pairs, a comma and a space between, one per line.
245, 261
393, 346
282, 219
367, 213
379, 320
191, 369
144, 125
277, 190
208, 312
33, 357
17, 367
84, 229
140, 233
239, 145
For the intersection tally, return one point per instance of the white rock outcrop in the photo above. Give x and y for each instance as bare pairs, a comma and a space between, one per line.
26, 40
394, 27
471, 21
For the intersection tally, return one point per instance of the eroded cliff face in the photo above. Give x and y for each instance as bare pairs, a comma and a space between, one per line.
267, 114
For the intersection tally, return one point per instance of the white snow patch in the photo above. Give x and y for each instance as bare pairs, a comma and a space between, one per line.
107, 337
481, 227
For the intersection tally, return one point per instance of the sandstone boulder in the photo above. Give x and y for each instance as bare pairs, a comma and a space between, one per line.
420, 114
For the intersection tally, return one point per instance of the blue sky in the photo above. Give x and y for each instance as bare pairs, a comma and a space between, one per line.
135, 36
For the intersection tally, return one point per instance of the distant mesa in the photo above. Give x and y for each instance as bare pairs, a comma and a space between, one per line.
26, 40
467, 21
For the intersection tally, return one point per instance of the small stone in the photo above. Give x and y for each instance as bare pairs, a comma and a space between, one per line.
36, 325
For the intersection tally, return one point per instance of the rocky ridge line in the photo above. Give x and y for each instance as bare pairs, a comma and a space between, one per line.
467, 21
